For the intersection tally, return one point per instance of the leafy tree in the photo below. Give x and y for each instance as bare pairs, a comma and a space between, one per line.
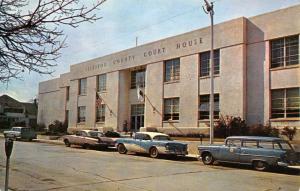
30, 38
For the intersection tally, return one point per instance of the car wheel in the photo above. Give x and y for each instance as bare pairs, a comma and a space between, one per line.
154, 152
260, 165
67, 143
207, 159
86, 146
122, 149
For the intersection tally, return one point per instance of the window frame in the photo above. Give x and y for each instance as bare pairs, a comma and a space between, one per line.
202, 61
100, 113
174, 70
285, 102
133, 78
82, 90
216, 107
79, 118
175, 116
101, 83
285, 57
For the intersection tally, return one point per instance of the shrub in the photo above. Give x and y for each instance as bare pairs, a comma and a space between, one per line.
263, 130
289, 132
57, 127
39, 127
229, 125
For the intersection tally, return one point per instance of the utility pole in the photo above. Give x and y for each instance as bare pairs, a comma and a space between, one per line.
209, 9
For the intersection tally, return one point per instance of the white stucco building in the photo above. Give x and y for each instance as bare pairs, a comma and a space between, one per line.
257, 77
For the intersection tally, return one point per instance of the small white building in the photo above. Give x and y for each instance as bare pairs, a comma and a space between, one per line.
257, 77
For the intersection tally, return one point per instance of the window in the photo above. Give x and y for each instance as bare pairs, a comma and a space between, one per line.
138, 78
82, 86
205, 63
171, 109
137, 109
204, 107
285, 103
100, 113
172, 70
101, 82
285, 51
234, 143
250, 144
67, 93
81, 114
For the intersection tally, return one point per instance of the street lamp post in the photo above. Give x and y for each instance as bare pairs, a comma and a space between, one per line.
210, 10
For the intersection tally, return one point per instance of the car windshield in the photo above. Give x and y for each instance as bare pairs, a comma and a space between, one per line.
95, 134
16, 129
285, 145
162, 138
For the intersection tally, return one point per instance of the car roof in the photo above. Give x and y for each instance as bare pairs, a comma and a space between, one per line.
255, 138
152, 134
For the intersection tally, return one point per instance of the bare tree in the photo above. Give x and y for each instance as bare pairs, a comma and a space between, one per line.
30, 38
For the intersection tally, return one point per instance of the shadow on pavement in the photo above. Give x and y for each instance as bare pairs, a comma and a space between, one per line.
168, 157
277, 170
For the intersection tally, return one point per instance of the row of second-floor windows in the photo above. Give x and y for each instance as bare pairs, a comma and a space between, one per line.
171, 108
100, 113
101, 84
172, 67
284, 51
285, 103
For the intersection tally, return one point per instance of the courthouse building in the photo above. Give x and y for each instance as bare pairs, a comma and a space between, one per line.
257, 77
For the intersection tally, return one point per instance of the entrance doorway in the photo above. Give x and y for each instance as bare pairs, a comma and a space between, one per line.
137, 117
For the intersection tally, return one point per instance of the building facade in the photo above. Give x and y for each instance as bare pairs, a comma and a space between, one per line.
166, 83
15, 113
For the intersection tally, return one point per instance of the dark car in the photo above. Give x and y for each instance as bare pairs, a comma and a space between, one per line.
24, 133
260, 152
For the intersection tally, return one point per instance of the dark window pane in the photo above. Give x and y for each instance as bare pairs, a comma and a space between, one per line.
205, 63
277, 53
204, 107
292, 50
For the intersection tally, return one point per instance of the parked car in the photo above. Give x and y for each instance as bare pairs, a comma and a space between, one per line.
152, 143
24, 133
260, 152
91, 138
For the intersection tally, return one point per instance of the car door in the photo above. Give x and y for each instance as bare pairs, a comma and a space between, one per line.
231, 151
249, 151
145, 144
134, 144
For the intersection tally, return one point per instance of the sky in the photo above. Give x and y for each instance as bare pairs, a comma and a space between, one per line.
124, 20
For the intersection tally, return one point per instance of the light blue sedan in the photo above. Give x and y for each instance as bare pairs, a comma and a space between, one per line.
153, 143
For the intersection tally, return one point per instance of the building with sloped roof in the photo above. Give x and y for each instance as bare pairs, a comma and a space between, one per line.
13, 111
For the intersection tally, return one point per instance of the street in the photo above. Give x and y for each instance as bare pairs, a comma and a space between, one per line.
40, 166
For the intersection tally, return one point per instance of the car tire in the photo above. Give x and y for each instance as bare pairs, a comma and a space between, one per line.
207, 158
153, 152
122, 149
86, 146
260, 165
67, 143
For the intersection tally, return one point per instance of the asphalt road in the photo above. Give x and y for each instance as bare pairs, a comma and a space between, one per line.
40, 166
